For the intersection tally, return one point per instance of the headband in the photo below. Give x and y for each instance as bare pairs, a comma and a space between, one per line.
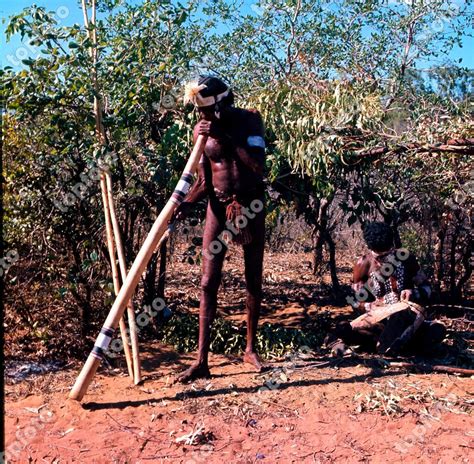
191, 94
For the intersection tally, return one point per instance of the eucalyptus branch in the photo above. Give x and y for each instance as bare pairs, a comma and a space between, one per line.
293, 20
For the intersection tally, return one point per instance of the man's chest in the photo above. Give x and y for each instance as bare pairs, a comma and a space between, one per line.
218, 150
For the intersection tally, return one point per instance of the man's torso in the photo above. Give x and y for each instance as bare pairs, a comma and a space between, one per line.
387, 278
229, 175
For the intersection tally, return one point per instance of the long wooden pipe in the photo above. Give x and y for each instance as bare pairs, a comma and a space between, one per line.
128, 288
108, 200
123, 272
115, 274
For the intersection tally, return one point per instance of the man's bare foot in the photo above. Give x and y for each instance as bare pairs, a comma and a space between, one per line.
251, 357
196, 371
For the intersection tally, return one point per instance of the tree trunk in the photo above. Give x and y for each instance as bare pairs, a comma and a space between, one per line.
467, 264
317, 250
149, 280
390, 219
397, 241
452, 262
319, 233
130, 234
332, 262
83, 302
439, 257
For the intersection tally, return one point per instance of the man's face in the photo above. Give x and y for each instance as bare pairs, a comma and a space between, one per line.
381, 253
208, 113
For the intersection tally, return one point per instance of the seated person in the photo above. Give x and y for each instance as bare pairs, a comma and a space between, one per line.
391, 288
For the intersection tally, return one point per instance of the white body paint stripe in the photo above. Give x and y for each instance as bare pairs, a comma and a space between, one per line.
256, 141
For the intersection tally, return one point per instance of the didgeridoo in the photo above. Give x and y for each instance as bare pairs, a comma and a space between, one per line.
129, 285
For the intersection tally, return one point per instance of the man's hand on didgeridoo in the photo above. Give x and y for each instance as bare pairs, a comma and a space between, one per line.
181, 212
211, 129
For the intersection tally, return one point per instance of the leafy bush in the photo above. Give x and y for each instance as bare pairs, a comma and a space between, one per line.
273, 340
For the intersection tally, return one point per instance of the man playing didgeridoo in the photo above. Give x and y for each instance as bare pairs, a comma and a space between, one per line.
392, 290
230, 175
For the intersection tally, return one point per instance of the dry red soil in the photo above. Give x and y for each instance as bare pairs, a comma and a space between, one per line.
348, 413
309, 415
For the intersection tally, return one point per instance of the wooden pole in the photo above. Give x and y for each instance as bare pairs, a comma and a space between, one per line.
100, 131
123, 271
433, 368
115, 276
159, 227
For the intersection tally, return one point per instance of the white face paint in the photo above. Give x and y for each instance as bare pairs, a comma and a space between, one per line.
256, 141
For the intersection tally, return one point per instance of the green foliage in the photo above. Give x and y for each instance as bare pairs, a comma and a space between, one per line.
273, 340
419, 246
51, 150
313, 122
329, 79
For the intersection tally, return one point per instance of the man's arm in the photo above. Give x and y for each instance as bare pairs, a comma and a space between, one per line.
418, 286
251, 151
360, 276
198, 190
360, 273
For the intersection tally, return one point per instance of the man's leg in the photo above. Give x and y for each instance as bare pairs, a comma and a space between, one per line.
394, 327
212, 260
366, 338
427, 338
253, 256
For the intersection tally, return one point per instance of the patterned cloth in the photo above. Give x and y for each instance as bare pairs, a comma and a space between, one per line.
387, 286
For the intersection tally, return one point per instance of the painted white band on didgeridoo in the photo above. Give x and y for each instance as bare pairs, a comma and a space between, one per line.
103, 341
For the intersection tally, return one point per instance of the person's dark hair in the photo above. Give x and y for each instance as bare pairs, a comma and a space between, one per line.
378, 236
214, 87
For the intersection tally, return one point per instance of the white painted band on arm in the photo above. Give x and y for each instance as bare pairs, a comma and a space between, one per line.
255, 141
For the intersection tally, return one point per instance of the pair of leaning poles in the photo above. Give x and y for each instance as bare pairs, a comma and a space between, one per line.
113, 233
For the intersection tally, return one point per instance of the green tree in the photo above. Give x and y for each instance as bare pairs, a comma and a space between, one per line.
53, 203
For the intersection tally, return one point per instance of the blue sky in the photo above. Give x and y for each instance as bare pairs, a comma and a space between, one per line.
69, 12
67, 9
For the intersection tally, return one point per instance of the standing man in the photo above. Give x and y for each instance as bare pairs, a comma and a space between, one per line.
230, 175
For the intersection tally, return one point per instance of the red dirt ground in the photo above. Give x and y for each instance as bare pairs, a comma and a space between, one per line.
312, 415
